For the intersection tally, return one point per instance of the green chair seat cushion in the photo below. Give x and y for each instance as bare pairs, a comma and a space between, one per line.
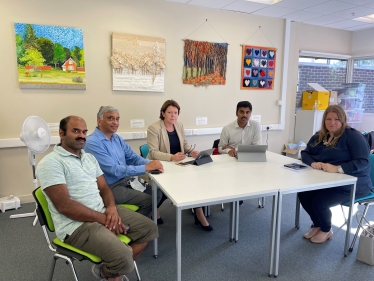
125, 239
91, 257
130, 207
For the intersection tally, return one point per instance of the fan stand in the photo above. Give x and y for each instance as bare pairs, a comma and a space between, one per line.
35, 182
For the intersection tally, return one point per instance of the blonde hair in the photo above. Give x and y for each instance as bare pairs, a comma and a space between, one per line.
322, 134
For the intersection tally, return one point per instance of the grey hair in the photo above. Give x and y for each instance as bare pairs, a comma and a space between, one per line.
104, 109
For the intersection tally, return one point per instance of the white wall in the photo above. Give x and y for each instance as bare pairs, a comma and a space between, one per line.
363, 42
157, 18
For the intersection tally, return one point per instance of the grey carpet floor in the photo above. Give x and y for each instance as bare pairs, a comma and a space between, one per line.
24, 254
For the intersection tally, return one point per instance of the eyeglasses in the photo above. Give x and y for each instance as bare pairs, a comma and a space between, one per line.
191, 149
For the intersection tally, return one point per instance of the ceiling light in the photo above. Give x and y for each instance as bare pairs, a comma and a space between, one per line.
368, 19
268, 2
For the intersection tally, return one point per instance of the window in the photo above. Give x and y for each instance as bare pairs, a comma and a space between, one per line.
363, 72
329, 73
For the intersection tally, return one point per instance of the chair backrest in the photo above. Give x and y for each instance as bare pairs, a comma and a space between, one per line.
371, 160
44, 215
215, 143
215, 146
370, 139
144, 150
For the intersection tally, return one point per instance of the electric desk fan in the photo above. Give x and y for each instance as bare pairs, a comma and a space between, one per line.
35, 134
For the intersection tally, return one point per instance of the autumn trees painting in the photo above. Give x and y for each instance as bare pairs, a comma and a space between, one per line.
205, 63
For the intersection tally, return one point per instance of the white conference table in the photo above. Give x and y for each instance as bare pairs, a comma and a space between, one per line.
226, 180
223, 180
290, 181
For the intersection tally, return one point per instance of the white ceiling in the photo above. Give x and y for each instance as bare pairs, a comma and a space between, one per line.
329, 13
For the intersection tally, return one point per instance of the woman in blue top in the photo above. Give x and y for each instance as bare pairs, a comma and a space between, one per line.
336, 148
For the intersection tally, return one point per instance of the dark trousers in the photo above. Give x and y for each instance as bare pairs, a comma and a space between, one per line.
317, 203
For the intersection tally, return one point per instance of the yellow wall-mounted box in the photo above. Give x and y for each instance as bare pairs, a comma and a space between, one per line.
320, 94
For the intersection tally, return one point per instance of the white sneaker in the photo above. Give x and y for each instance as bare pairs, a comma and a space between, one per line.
96, 271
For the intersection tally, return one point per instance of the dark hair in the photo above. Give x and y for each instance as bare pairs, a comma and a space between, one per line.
166, 105
244, 104
63, 124
322, 134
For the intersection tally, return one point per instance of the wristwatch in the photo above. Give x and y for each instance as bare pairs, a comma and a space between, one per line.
340, 170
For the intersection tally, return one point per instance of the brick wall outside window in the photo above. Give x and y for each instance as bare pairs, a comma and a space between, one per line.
365, 76
332, 77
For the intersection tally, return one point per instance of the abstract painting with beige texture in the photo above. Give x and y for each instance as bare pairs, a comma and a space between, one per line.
138, 63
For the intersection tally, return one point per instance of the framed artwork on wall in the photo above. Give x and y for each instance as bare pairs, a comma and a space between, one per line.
205, 63
138, 63
50, 57
258, 68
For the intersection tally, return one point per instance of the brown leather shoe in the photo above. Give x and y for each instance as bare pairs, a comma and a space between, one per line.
322, 237
311, 232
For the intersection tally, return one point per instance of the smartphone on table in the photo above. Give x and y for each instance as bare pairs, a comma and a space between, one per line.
295, 166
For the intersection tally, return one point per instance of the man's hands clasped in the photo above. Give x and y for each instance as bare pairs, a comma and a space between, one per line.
113, 221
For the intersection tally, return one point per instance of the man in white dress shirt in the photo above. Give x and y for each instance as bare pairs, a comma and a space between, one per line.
241, 131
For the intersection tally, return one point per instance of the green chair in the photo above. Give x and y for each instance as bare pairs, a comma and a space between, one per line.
144, 150
367, 201
63, 250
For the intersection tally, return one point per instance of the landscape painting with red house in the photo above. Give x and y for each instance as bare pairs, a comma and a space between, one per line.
50, 57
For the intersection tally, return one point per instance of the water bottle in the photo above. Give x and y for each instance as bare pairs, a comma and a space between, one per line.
315, 107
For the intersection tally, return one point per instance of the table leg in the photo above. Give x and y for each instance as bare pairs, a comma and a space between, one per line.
179, 243
272, 233
154, 216
297, 213
232, 221
236, 221
277, 234
348, 233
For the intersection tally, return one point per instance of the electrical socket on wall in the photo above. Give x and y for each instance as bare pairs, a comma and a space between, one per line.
138, 135
188, 132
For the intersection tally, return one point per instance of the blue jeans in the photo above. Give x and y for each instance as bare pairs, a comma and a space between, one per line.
317, 203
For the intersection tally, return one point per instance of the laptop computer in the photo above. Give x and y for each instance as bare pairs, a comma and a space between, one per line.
199, 159
251, 153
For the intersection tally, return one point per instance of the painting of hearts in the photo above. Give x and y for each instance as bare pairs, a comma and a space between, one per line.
258, 67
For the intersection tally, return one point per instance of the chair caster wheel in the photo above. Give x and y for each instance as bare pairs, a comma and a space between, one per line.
275, 276
345, 256
350, 249
155, 256
231, 239
236, 241
297, 227
270, 275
